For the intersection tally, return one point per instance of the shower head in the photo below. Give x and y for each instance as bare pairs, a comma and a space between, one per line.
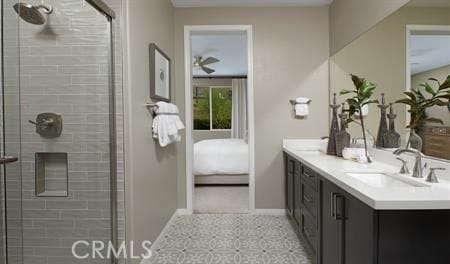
31, 14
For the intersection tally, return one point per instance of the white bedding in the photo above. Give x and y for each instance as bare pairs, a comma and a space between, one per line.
221, 156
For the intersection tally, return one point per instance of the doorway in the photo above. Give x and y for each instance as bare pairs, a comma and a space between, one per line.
220, 175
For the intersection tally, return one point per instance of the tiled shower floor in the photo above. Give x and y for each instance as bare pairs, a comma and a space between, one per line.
229, 238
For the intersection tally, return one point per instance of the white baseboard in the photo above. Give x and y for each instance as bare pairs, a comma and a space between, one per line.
183, 211
269, 212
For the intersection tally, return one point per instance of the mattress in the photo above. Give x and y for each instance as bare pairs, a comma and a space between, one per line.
221, 157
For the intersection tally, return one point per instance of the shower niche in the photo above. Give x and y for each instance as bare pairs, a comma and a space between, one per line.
51, 174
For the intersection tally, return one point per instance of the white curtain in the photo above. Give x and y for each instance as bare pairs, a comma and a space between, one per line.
239, 117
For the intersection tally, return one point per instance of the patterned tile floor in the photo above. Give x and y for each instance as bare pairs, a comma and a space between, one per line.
229, 238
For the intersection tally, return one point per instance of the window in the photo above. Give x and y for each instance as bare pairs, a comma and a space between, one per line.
212, 108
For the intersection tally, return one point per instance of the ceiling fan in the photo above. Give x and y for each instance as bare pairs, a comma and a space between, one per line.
200, 63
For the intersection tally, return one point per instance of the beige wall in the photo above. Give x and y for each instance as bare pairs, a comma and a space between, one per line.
151, 185
440, 74
380, 56
290, 60
351, 18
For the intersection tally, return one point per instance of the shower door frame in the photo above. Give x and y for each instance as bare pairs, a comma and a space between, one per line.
110, 16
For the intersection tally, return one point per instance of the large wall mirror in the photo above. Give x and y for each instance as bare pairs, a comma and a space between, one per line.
402, 52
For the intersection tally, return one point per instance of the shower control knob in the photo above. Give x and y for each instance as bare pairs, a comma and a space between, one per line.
48, 125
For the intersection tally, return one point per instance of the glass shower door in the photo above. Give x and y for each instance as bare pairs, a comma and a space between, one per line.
59, 121
10, 137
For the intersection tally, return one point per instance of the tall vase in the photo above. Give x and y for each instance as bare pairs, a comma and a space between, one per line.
415, 141
331, 148
392, 138
342, 137
383, 127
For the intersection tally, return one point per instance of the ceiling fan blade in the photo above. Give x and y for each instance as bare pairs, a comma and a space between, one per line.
209, 60
208, 70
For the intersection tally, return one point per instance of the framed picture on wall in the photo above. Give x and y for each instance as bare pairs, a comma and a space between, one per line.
160, 74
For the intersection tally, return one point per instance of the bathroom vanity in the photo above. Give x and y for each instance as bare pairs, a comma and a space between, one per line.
351, 213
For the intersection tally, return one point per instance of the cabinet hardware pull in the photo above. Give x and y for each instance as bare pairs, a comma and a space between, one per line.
339, 215
332, 204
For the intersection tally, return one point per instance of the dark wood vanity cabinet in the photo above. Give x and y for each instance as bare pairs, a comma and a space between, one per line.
340, 229
289, 190
348, 228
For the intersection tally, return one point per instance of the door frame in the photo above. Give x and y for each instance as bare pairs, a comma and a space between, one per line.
409, 29
188, 30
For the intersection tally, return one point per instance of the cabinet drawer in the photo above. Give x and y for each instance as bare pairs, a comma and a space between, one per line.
309, 232
310, 200
310, 177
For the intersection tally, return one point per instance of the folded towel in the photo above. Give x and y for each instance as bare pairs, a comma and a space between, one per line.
302, 100
166, 124
301, 106
356, 154
301, 110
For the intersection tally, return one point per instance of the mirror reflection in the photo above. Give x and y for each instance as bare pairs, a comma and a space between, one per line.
407, 51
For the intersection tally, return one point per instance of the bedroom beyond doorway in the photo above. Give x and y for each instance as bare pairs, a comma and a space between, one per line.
220, 174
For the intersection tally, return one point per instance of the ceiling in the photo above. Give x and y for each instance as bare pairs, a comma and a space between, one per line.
429, 52
229, 48
232, 3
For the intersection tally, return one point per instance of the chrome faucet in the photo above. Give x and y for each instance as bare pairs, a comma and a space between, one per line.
432, 175
418, 170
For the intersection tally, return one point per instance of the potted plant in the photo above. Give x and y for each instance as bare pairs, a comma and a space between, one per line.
362, 94
419, 103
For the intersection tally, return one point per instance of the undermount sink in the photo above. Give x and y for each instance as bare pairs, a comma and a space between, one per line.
382, 180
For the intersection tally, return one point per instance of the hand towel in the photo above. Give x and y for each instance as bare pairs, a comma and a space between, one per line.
355, 154
166, 124
301, 106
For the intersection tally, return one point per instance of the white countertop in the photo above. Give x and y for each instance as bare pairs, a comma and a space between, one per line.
431, 196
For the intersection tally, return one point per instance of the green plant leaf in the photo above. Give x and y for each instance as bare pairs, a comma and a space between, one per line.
343, 92
405, 101
357, 81
443, 96
435, 80
445, 84
428, 88
439, 102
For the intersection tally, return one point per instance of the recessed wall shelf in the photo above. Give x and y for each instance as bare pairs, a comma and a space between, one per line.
51, 174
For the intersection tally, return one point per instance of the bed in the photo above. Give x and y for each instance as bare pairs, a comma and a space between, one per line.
221, 161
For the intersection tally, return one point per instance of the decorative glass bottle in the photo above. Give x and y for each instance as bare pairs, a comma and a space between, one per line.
342, 137
383, 128
331, 149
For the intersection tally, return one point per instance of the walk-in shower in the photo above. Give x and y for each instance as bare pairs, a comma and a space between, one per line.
59, 91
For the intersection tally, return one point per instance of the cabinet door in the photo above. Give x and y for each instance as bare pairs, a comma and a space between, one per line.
331, 225
290, 166
298, 194
359, 238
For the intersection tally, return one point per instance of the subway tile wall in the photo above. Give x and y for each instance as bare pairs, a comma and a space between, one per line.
63, 69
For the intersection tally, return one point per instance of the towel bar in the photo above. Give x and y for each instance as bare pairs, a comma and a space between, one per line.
157, 114
151, 105
295, 102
